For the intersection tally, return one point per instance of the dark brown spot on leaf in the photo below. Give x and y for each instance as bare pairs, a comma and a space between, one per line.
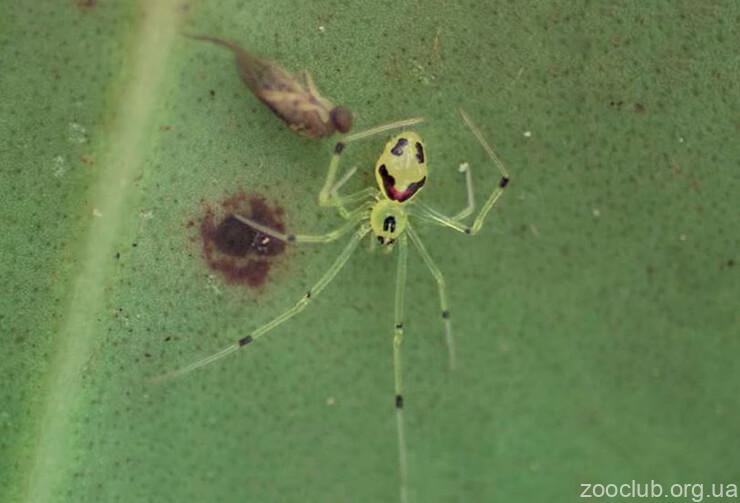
239, 253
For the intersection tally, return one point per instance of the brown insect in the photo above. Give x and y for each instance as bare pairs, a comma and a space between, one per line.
293, 98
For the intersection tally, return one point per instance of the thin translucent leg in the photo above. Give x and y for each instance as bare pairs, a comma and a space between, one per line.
468, 210
349, 174
340, 202
397, 368
441, 287
353, 219
372, 243
382, 129
325, 193
426, 212
329, 275
503, 182
429, 214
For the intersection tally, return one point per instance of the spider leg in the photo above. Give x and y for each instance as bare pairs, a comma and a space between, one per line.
302, 303
353, 218
442, 288
426, 212
397, 367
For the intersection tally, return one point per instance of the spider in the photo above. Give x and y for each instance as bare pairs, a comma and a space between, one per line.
383, 213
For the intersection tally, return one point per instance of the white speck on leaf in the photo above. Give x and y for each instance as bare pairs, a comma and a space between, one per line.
212, 280
77, 133
59, 166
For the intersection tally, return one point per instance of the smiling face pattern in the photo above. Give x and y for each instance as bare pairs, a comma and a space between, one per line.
402, 167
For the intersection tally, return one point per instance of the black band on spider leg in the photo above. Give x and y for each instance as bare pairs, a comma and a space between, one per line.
338, 147
399, 402
290, 238
245, 340
504, 182
445, 314
399, 326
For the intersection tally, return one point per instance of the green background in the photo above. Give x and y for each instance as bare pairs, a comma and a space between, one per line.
596, 314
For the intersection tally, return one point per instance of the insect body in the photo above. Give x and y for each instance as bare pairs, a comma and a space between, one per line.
384, 213
297, 103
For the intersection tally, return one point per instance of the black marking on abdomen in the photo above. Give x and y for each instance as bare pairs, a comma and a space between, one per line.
245, 340
397, 150
399, 402
419, 152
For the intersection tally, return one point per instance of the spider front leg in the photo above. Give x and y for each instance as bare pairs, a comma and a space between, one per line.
299, 306
429, 213
353, 218
339, 202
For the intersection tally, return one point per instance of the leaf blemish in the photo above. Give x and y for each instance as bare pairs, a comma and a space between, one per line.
240, 254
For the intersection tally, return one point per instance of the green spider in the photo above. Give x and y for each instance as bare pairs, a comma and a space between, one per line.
401, 172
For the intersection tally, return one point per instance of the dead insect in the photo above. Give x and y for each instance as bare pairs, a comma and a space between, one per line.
293, 98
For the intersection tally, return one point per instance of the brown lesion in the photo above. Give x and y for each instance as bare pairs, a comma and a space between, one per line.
242, 255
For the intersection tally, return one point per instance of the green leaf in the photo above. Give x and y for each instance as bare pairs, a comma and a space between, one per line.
595, 315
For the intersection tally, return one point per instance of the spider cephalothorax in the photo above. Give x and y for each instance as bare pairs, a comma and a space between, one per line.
387, 221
